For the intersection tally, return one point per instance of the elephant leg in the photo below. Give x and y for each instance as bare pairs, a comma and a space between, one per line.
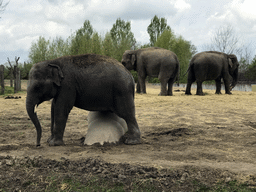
163, 87
227, 84
188, 88
191, 79
62, 108
199, 90
142, 84
170, 85
138, 87
125, 109
218, 86
52, 120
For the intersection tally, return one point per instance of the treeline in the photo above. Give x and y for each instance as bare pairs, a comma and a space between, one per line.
120, 38
113, 43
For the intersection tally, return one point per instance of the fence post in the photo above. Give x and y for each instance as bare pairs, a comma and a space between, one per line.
2, 78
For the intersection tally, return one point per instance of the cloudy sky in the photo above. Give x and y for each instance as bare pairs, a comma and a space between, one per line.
24, 21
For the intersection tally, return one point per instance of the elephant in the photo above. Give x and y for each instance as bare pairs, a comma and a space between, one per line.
212, 65
153, 62
90, 82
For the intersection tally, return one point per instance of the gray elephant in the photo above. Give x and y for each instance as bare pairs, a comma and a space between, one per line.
153, 62
212, 65
91, 82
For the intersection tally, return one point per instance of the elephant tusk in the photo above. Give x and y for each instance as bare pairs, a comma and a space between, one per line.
35, 109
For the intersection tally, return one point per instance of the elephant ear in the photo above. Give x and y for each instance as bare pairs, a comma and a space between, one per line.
232, 61
57, 74
133, 59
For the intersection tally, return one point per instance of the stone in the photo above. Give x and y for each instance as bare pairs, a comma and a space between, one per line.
104, 127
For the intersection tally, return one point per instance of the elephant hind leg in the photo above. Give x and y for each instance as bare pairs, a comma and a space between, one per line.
191, 79
125, 108
170, 86
199, 90
164, 81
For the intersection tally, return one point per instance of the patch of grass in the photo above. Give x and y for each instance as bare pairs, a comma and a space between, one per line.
144, 185
8, 90
230, 186
95, 184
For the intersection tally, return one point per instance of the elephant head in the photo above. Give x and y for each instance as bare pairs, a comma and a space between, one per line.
44, 80
233, 69
129, 60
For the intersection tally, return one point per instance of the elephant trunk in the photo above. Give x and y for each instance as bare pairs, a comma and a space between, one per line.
30, 106
235, 79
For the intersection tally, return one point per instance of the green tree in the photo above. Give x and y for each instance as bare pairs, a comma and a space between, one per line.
122, 38
58, 47
81, 42
184, 51
96, 44
107, 45
251, 71
38, 50
166, 40
156, 28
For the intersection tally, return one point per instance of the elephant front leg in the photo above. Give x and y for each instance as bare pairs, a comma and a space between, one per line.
218, 86
227, 84
56, 138
60, 116
52, 120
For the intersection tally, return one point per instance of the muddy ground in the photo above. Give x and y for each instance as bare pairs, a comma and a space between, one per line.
185, 139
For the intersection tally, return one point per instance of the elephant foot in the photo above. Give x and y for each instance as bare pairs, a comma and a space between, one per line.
219, 93
188, 93
55, 142
229, 93
130, 140
200, 94
160, 94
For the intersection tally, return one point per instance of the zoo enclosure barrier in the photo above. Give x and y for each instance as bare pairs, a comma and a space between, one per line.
238, 87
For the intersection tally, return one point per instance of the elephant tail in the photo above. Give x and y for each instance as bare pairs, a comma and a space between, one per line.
189, 68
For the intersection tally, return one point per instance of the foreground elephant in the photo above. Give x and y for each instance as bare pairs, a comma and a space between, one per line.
91, 82
153, 62
212, 65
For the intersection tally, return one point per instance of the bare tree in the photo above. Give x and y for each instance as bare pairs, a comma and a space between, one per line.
225, 40
2, 6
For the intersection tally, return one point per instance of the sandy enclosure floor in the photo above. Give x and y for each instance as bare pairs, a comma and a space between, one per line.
211, 131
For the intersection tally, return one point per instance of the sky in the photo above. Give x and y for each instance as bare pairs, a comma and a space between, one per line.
23, 21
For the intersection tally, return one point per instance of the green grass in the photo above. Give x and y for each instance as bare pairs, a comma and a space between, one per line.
95, 184
8, 90
231, 186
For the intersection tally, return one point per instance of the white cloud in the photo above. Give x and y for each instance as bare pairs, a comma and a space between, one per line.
181, 5
25, 20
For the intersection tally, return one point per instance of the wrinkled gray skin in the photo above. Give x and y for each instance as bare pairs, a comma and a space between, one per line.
153, 62
212, 65
90, 82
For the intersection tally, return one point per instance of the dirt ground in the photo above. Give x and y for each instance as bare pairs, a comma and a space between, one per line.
205, 138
